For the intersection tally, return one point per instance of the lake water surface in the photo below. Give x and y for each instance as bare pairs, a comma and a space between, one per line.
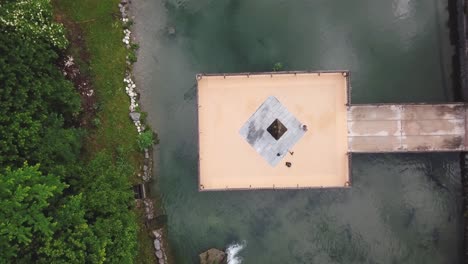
402, 208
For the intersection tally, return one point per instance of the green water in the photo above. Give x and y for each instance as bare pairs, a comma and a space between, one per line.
401, 208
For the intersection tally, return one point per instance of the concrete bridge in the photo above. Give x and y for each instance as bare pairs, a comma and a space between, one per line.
407, 128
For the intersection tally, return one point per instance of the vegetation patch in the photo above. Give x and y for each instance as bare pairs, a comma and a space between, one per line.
68, 155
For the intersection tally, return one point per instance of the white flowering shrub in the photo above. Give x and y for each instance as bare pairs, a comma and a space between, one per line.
33, 19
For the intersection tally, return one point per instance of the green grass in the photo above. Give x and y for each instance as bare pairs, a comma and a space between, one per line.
103, 33
145, 245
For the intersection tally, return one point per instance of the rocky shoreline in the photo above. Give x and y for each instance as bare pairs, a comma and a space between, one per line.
158, 235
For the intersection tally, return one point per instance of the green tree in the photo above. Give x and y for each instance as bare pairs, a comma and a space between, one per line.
59, 146
109, 199
31, 90
25, 204
73, 240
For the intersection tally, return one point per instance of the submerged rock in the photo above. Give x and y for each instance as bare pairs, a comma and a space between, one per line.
171, 31
213, 256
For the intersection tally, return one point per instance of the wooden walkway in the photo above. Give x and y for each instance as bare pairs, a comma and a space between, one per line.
407, 128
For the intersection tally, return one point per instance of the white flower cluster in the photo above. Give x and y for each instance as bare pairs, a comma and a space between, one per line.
126, 38
125, 22
34, 19
129, 83
130, 90
69, 62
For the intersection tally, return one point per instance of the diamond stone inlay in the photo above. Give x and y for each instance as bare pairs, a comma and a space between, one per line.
277, 129
269, 136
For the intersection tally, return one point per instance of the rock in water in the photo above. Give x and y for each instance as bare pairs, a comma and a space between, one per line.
213, 256
171, 31
135, 116
159, 254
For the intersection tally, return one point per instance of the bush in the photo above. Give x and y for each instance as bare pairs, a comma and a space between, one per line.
131, 57
145, 140
96, 122
134, 46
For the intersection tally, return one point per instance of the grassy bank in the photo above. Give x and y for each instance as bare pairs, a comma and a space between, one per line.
96, 36
102, 33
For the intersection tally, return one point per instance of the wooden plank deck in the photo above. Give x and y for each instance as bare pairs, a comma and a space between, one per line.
407, 128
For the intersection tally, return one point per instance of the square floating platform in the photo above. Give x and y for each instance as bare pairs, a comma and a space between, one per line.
282, 130
268, 135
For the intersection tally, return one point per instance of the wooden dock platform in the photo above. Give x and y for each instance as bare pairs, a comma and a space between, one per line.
381, 128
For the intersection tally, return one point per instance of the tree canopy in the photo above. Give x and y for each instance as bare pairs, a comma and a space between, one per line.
25, 204
35, 98
55, 207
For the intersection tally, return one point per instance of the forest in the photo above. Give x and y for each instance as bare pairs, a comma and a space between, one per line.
61, 201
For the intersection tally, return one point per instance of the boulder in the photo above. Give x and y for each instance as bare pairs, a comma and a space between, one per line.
157, 244
213, 256
156, 234
135, 116
146, 176
149, 208
159, 254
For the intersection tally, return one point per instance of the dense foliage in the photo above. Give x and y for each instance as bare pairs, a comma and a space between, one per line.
33, 20
25, 196
35, 99
54, 207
